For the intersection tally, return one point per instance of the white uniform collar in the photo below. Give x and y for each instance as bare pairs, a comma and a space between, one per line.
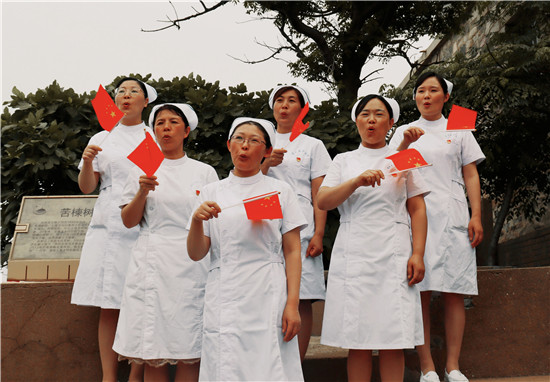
245, 180
373, 152
175, 162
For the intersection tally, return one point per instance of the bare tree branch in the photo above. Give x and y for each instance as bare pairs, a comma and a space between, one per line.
177, 21
364, 79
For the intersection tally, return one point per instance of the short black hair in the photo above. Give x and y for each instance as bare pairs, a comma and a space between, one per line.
141, 84
286, 88
366, 100
424, 76
259, 126
173, 108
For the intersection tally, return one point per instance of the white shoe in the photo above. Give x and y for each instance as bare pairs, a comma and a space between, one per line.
455, 376
430, 376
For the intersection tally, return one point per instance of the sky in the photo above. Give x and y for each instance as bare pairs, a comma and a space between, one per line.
84, 44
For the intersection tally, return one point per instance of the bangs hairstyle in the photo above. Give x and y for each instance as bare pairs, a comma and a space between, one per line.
259, 126
173, 108
141, 84
287, 88
366, 100
424, 76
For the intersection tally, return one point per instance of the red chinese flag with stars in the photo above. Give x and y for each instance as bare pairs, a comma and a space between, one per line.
461, 119
147, 156
108, 114
266, 206
407, 160
299, 127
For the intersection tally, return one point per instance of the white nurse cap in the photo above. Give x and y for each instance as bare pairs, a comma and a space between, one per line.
151, 92
302, 91
187, 110
268, 126
393, 104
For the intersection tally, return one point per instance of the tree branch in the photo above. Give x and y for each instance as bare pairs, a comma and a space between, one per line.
175, 23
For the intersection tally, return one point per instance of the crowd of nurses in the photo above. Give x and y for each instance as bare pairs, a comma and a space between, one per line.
182, 277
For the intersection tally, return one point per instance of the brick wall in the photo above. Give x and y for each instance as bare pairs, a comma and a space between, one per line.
530, 250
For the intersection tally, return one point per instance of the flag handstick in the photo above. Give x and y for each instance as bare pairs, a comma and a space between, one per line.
299, 126
259, 197
408, 169
147, 145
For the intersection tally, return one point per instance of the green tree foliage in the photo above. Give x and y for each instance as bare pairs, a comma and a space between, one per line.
44, 134
41, 143
332, 40
508, 83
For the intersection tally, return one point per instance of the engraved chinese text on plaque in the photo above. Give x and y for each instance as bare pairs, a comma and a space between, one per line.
48, 237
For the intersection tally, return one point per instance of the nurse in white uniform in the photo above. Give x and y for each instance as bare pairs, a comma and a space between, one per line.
251, 313
303, 164
452, 234
106, 251
160, 319
372, 300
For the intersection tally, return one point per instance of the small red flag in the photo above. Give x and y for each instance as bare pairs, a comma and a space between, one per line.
108, 114
299, 127
407, 160
461, 119
266, 206
147, 156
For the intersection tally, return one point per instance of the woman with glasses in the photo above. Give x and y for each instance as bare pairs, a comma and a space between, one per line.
161, 312
106, 251
252, 291
303, 164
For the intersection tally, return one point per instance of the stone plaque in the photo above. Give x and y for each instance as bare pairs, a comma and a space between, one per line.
49, 236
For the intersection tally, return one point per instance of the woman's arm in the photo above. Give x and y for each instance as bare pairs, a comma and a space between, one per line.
293, 263
197, 243
88, 178
132, 213
409, 136
473, 189
275, 159
315, 247
419, 229
331, 197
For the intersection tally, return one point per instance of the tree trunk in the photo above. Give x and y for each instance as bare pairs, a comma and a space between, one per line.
499, 223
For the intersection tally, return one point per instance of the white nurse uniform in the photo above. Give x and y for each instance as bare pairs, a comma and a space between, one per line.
161, 312
246, 288
449, 258
306, 159
369, 303
106, 251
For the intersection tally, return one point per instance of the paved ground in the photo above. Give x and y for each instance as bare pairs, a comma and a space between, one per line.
542, 378
318, 351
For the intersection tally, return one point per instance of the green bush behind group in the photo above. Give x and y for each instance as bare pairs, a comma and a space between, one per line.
44, 133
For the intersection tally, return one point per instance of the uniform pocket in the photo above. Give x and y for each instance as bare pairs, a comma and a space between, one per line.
458, 207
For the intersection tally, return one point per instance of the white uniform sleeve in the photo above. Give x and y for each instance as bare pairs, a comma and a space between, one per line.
397, 137
416, 184
212, 175
334, 174
292, 214
131, 187
95, 140
471, 152
320, 160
